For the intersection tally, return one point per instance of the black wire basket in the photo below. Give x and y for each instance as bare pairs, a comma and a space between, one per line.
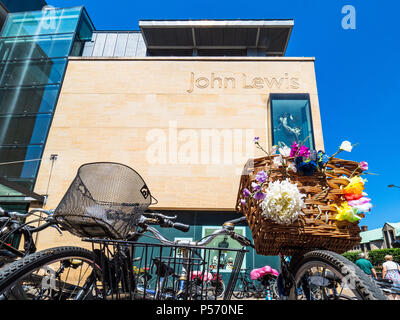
132, 271
105, 199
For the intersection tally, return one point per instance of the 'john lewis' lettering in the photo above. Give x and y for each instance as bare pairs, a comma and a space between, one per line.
213, 81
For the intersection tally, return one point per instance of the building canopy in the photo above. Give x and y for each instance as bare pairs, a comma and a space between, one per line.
268, 36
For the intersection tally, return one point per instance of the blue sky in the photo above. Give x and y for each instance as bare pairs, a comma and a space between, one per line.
358, 71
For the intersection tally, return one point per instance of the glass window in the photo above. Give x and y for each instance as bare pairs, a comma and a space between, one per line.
31, 72
42, 22
291, 119
22, 100
25, 130
226, 258
41, 47
20, 170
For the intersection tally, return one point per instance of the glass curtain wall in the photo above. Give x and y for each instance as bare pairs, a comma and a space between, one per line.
34, 49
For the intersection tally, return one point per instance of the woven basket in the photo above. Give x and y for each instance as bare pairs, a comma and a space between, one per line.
318, 228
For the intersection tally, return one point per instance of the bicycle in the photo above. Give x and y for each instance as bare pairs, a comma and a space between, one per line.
100, 215
36, 277
245, 287
12, 227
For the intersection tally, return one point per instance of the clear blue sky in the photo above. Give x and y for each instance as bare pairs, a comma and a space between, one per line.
358, 71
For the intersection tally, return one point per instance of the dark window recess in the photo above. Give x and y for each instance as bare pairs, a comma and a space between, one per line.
25, 170
25, 129
22, 100
36, 47
32, 72
222, 52
169, 52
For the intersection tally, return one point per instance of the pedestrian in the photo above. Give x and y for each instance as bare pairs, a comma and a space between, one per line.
391, 271
365, 265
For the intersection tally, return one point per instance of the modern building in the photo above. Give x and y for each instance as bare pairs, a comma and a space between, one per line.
380, 238
180, 101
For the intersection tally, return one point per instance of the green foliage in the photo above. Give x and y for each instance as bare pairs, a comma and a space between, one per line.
377, 257
351, 255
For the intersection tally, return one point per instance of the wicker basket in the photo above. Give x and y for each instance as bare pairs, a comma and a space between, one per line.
318, 228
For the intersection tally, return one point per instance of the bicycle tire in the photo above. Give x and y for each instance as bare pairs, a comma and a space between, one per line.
361, 283
12, 273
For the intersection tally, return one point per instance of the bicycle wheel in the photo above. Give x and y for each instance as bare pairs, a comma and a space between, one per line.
325, 275
242, 290
61, 273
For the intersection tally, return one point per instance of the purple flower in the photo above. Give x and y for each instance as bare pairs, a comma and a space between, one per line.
255, 186
294, 147
256, 139
304, 152
246, 192
261, 176
260, 195
242, 201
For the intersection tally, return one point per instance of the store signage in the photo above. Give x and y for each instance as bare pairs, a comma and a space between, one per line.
244, 81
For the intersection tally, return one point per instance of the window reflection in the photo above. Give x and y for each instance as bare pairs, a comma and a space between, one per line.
291, 119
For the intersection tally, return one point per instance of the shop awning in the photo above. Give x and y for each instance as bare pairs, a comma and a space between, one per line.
271, 36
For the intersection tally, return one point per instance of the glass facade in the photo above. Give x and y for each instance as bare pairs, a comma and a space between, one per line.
23, 5
291, 119
34, 50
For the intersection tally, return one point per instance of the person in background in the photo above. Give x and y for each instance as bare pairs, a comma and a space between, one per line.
365, 265
391, 271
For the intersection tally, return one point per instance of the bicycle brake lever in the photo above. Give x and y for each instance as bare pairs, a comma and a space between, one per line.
57, 228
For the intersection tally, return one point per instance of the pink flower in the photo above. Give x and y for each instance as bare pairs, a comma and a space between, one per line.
363, 165
304, 152
294, 147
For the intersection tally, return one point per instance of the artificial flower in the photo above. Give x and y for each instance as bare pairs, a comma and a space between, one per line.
353, 191
283, 202
362, 205
242, 201
293, 149
346, 213
363, 165
261, 176
255, 186
322, 158
246, 192
256, 139
307, 167
273, 149
284, 151
259, 195
292, 166
278, 161
304, 152
346, 146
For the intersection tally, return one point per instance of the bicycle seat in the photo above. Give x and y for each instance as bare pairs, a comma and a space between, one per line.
205, 276
260, 272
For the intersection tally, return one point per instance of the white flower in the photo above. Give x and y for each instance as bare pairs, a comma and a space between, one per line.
346, 146
285, 151
273, 149
292, 166
278, 161
283, 202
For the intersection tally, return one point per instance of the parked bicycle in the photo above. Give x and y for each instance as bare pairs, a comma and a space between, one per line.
106, 204
13, 227
260, 284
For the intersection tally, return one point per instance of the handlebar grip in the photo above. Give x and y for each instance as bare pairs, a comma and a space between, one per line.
181, 227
